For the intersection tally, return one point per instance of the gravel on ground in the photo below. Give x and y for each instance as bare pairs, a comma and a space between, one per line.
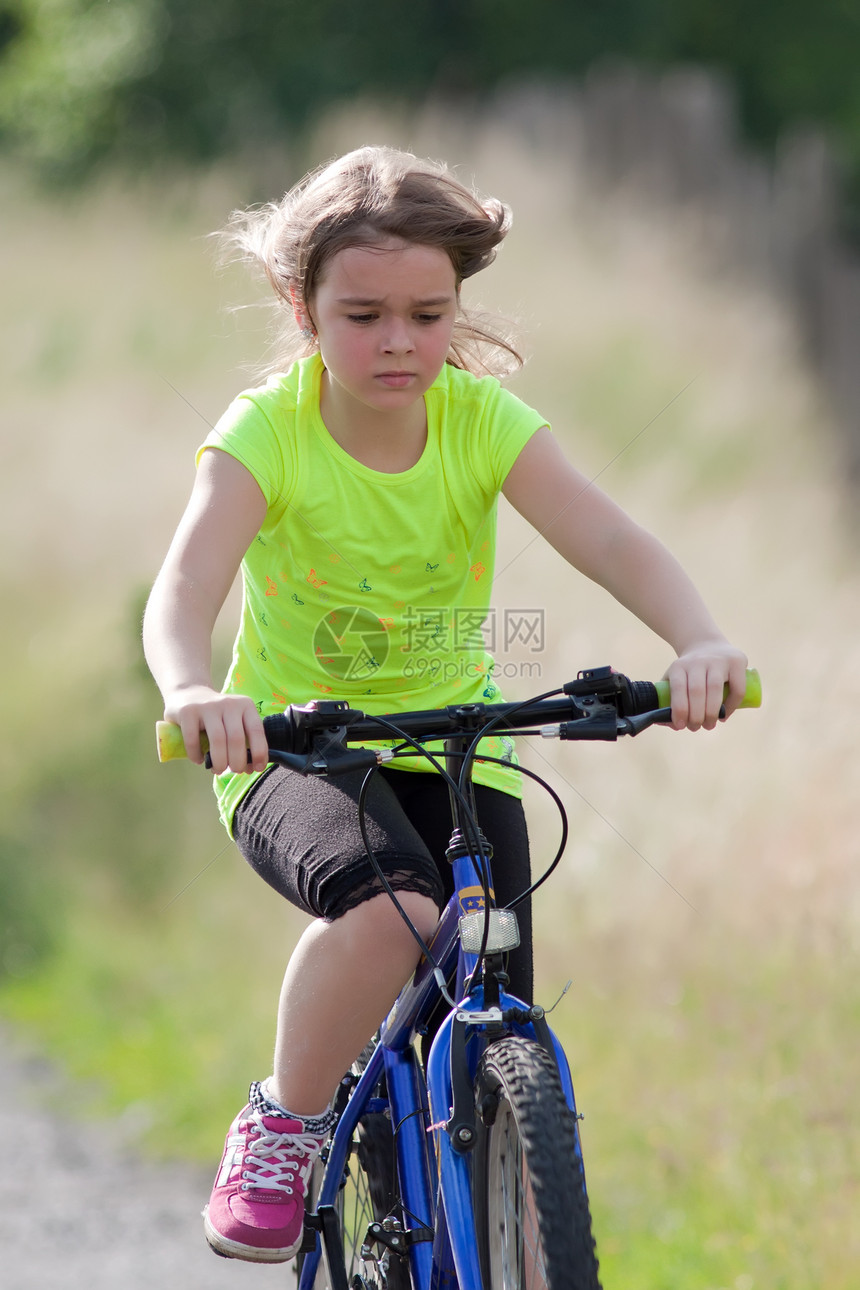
80, 1209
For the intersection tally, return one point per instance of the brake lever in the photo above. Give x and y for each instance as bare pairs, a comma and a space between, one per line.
293, 761
662, 716
635, 725
330, 761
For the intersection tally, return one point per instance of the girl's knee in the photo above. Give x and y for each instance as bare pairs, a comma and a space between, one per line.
422, 911
381, 919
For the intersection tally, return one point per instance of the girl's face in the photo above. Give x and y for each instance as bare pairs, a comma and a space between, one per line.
384, 315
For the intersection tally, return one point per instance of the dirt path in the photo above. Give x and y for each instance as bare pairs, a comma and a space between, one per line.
79, 1211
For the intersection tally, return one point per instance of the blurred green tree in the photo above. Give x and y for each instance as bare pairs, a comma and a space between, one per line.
141, 79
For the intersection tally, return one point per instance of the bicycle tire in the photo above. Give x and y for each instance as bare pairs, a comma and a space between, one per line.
368, 1194
531, 1208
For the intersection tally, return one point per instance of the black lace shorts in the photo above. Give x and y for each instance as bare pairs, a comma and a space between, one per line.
302, 836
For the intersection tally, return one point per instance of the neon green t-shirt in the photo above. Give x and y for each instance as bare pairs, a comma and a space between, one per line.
367, 586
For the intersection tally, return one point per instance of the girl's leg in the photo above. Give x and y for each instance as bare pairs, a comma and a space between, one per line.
303, 837
340, 982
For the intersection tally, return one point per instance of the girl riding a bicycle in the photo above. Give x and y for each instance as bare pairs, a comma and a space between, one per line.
357, 491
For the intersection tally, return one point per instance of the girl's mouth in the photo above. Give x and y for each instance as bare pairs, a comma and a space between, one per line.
396, 380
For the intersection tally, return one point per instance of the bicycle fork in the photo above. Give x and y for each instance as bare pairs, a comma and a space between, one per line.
488, 1012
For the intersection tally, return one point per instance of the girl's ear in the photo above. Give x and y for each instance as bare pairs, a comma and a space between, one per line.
301, 315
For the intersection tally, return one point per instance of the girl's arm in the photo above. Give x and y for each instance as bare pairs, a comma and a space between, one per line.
599, 538
223, 516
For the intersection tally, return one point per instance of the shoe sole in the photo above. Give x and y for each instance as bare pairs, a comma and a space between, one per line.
248, 1253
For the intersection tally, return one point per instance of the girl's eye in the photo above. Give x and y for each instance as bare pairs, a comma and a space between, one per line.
429, 318
361, 318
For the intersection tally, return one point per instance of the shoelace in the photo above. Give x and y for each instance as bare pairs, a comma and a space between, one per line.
274, 1160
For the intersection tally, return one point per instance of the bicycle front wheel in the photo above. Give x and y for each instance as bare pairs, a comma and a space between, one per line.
531, 1208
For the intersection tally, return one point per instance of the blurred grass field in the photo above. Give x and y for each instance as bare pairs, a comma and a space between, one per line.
707, 912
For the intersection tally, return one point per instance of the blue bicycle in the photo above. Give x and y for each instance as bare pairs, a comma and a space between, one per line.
463, 1171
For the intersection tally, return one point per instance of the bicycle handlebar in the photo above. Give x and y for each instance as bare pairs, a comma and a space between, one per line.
599, 704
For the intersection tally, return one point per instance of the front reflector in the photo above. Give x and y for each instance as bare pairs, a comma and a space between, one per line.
504, 934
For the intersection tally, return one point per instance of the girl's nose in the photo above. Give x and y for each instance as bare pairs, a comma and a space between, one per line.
398, 338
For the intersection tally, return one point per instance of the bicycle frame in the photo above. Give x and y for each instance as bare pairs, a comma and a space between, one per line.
435, 1187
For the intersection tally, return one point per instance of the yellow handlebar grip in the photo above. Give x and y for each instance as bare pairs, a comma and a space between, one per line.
169, 742
751, 699
752, 695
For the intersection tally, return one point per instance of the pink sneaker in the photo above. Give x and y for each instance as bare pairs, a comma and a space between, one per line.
256, 1210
